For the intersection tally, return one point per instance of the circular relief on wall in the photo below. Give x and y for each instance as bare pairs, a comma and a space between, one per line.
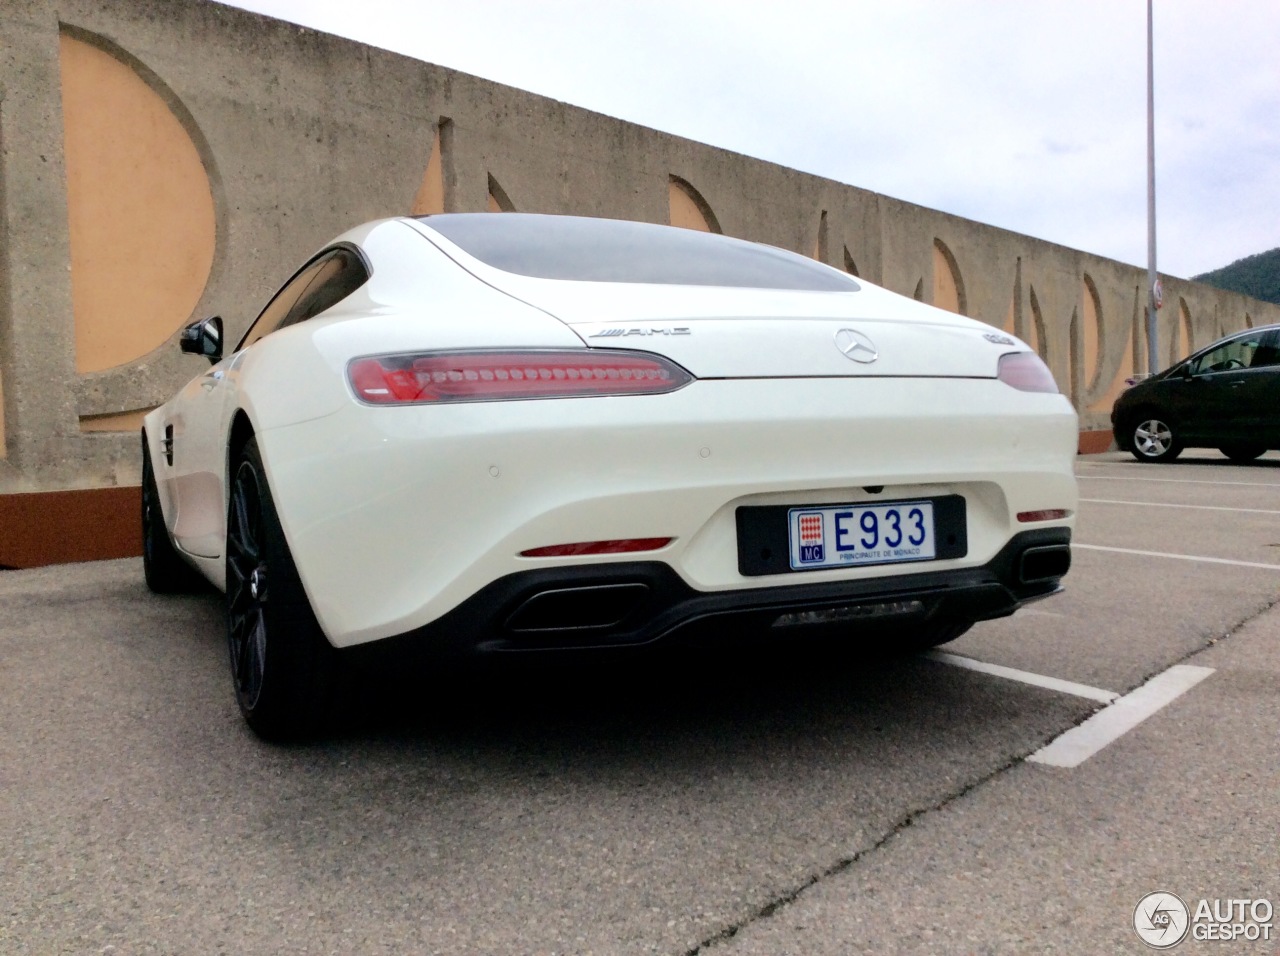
140, 207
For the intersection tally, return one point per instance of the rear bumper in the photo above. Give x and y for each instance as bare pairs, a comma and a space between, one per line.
397, 517
636, 603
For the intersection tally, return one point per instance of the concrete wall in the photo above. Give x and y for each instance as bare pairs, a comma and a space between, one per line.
166, 159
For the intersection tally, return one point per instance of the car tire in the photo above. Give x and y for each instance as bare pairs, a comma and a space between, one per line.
162, 566
281, 662
928, 636
1242, 452
1150, 438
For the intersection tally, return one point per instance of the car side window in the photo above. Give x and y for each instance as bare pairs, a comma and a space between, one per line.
1268, 351
281, 304
322, 283
1229, 356
340, 273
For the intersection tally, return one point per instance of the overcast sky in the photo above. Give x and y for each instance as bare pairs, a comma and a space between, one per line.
1025, 114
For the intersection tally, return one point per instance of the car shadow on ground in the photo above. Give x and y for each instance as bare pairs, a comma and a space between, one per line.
728, 689
1210, 460
845, 699
771, 689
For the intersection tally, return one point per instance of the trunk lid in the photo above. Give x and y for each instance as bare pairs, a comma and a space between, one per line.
762, 333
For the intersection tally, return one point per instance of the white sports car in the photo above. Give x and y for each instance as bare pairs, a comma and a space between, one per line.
510, 432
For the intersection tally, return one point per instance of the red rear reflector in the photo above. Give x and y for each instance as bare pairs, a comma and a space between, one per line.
622, 546
431, 377
1026, 372
1049, 514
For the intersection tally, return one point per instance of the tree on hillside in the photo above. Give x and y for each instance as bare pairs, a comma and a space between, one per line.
1257, 276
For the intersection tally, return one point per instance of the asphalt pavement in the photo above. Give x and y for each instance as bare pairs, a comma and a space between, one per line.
824, 800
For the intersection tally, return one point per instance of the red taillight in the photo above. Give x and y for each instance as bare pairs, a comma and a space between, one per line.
622, 546
493, 376
1048, 514
1026, 372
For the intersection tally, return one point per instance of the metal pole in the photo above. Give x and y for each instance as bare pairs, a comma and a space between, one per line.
1153, 361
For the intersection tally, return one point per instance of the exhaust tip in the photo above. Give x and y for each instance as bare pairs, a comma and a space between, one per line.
595, 607
1044, 563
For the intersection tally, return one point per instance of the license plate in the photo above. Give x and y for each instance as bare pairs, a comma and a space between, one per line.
835, 536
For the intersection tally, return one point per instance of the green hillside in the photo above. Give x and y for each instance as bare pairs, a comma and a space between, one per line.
1257, 276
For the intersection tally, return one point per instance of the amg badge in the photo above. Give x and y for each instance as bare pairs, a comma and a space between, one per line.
620, 332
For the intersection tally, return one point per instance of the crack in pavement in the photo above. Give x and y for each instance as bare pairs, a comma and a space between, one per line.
845, 863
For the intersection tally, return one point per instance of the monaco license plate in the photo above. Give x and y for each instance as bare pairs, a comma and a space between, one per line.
843, 535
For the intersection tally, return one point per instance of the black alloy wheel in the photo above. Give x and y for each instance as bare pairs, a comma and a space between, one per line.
280, 659
162, 566
1242, 452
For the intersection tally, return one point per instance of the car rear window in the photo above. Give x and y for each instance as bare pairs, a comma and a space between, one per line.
614, 250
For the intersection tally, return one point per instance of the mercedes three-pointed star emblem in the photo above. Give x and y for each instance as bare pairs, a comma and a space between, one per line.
856, 346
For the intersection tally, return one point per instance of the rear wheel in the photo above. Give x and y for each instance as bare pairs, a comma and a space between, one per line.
281, 662
1242, 452
1152, 439
162, 566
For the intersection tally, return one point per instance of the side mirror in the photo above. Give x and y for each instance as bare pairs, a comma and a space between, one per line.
203, 338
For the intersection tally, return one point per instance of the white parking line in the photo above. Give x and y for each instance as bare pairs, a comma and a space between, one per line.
1181, 481
1115, 720
1166, 504
1179, 557
1024, 677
